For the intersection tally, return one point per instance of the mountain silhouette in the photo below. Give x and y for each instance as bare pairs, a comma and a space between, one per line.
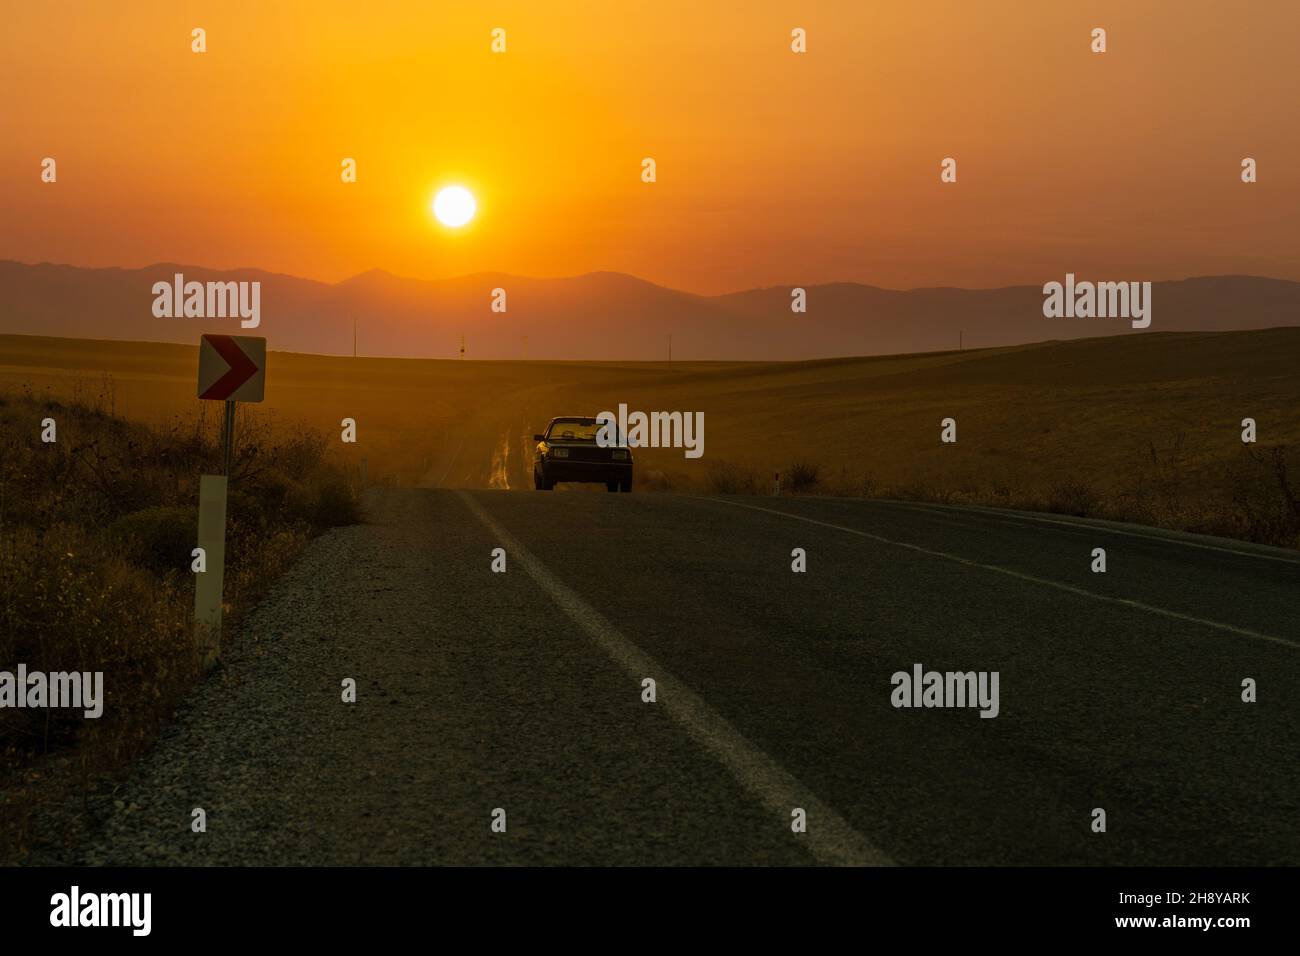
605, 315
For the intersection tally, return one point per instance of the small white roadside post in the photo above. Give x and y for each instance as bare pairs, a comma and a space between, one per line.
232, 369
210, 584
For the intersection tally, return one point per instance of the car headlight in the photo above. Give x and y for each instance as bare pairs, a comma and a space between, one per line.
559, 453
619, 454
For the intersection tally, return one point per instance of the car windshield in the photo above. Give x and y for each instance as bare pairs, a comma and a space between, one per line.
577, 429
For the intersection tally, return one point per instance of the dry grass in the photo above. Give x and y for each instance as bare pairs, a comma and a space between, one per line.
95, 537
1251, 497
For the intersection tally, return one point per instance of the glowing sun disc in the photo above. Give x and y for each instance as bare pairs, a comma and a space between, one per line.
454, 206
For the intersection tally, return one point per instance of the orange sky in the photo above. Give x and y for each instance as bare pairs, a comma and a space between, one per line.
773, 168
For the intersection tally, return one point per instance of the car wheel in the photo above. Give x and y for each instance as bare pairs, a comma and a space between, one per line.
611, 486
540, 481
625, 485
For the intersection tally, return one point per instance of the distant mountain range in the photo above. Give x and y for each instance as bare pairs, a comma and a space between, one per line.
606, 315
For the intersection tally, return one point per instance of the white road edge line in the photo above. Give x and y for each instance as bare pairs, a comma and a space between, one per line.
829, 837
1104, 598
1027, 518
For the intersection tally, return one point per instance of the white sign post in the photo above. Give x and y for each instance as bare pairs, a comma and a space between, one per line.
232, 368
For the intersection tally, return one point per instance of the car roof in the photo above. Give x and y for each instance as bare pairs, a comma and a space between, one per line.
579, 421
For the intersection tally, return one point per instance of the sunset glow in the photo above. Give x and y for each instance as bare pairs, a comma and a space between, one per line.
772, 167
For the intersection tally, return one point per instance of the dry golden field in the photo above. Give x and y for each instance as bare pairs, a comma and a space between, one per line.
1144, 428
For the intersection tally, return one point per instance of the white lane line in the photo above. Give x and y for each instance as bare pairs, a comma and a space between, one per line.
1104, 598
830, 838
447, 470
1090, 526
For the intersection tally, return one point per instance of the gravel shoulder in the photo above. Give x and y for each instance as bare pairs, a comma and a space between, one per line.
473, 693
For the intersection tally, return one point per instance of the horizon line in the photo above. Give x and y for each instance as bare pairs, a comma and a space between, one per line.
602, 272
822, 359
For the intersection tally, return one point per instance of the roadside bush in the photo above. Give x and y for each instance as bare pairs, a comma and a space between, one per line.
96, 535
159, 539
728, 478
803, 476
274, 488
1265, 502
322, 504
334, 505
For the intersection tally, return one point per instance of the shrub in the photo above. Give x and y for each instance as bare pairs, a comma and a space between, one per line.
728, 478
803, 476
334, 505
274, 488
322, 504
159, 538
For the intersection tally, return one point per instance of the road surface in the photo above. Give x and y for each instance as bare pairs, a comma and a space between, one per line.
523, 691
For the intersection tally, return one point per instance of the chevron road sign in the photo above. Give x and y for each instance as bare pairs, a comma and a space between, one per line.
232, 368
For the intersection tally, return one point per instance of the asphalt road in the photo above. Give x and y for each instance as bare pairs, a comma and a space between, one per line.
523, 691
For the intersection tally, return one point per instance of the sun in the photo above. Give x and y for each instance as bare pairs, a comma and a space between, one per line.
454, 206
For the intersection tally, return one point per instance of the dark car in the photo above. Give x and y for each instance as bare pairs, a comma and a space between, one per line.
568, 452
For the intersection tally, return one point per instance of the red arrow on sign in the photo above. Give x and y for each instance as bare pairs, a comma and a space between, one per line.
242, 367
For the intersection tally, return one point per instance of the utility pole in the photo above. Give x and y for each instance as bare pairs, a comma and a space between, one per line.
462, 345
